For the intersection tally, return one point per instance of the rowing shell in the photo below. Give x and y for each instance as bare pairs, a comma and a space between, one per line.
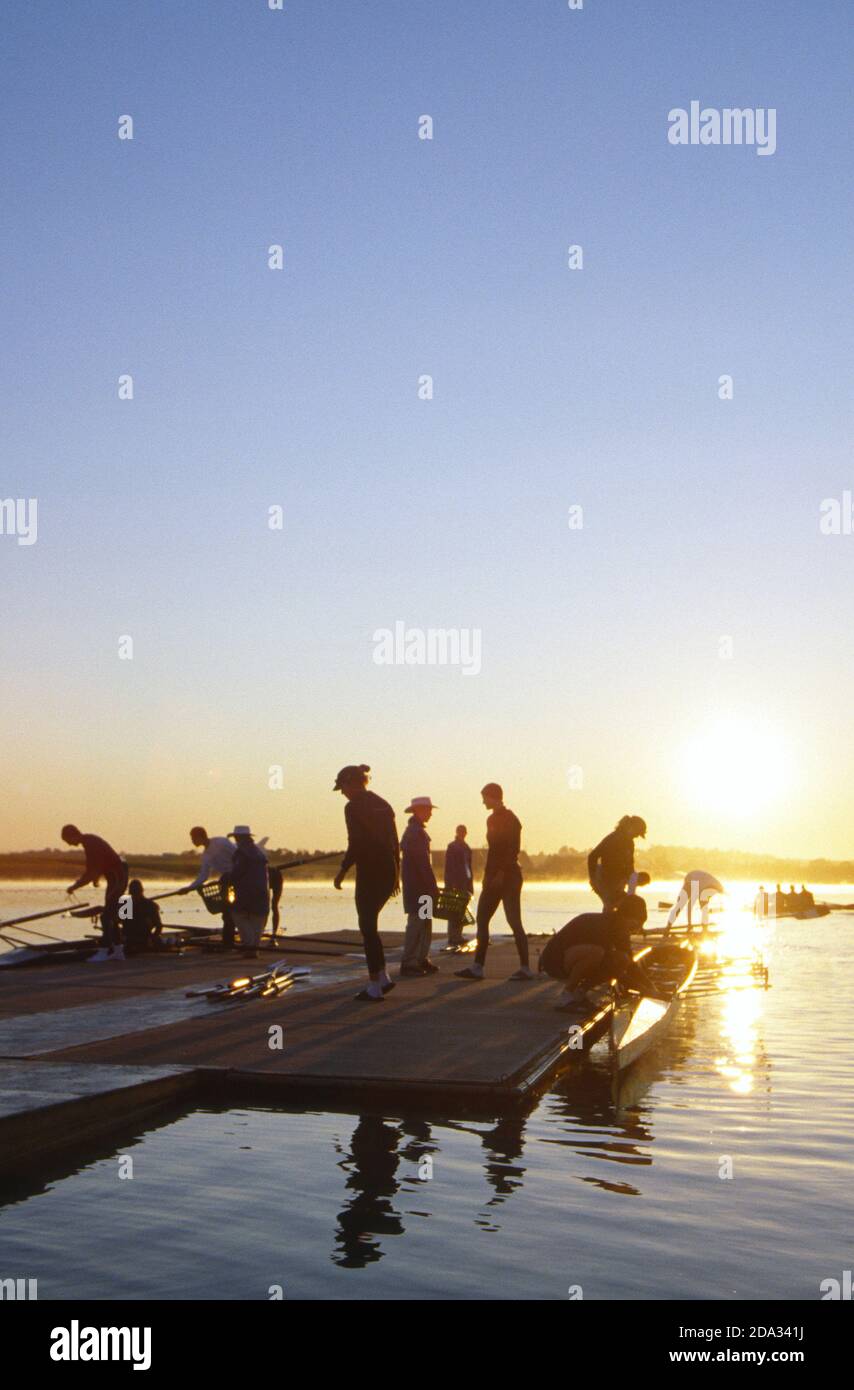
638, 1025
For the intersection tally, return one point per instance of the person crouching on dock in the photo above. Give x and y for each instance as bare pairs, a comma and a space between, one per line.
372, 845
142, 927
502, 883
101, 862
595, 947
420, 890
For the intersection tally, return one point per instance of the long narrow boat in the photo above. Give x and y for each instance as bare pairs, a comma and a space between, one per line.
643, 1021
809, 914
62, 952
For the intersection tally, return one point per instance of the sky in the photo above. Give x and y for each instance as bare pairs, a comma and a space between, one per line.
685, 653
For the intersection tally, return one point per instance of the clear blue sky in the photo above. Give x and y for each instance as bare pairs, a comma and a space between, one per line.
403, 257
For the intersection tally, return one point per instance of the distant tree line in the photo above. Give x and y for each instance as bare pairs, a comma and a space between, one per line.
566, 865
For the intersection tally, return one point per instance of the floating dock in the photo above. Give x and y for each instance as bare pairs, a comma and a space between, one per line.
86, 1048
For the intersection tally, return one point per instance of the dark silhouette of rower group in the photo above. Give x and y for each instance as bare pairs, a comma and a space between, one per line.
384, 864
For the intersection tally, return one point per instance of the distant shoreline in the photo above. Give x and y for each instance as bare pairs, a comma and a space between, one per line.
566, 866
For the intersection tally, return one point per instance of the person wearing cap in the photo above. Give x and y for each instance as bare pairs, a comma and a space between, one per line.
611, 864
249, 878
420, 889
458, 877
502, 883
217, 856
373, 847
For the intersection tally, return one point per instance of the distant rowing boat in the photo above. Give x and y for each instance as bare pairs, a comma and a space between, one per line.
809, 914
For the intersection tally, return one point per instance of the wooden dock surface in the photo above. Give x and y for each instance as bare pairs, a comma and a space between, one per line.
438, 1040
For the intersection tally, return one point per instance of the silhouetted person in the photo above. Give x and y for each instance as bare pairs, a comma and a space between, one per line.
372, 845
217, 856
595, 947
779, 901
420, 889
277, 880
760, 902
502, 883
458, 876
101, 862
698, 889
248, 876
611, 864
141, 930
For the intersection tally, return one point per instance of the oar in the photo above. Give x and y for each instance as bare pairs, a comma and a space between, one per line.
312, 859
155, 898
35, 916
31, 931
10, 941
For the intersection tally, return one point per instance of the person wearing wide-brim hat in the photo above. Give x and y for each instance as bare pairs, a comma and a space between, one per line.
420, 890
372, 846
249, 878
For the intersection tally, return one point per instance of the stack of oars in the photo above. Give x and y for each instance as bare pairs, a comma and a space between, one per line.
269, 984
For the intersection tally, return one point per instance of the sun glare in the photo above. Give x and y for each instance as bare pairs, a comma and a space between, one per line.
735, 767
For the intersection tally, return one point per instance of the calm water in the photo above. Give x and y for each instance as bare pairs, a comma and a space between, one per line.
626, 1201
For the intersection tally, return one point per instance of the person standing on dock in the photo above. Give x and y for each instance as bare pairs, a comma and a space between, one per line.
277, 881
373, 846
102, 862
458, 877
420, 890
502, 883
611, 864
217, 856
249, 879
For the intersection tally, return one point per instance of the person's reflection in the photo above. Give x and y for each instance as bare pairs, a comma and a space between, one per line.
371, 1165
504, 1144
419, 1144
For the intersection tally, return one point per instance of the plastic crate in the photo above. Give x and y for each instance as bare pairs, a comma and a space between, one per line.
213, 897
452, 903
